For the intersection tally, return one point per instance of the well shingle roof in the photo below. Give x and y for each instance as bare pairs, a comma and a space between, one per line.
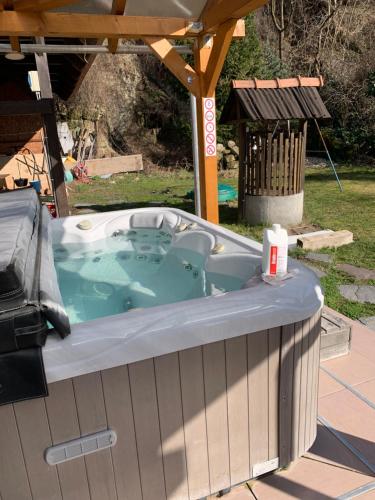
261, 104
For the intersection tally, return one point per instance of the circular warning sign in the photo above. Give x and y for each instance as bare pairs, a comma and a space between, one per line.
210, 127
209, 103
211, 150
210, 138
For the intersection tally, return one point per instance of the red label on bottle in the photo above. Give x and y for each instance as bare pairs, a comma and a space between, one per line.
273, 260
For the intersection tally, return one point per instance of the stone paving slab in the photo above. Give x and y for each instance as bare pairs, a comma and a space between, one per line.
330, 469
355, 293
368, 321
241, 492
327, 471
319, 257
318, 272
360, 273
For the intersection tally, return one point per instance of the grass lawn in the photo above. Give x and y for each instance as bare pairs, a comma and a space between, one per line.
354, 209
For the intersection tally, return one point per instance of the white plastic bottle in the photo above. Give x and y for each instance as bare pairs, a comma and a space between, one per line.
275, 251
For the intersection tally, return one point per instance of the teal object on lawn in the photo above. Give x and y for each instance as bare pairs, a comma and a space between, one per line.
225, 193
68, 176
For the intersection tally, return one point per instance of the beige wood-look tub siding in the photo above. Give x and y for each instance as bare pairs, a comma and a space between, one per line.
189, 423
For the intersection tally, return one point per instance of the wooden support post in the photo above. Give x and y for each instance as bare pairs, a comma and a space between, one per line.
209, 55
15, 43
207, 163
207, 169
57, 171
118, 8
303, 153
216, 13
220, 45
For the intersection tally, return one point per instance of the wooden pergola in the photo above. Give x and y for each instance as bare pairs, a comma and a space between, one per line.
211, 24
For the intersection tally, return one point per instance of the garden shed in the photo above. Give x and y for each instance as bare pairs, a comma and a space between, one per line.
272, 116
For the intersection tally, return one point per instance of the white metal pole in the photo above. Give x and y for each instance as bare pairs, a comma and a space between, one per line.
31, 48
194, 134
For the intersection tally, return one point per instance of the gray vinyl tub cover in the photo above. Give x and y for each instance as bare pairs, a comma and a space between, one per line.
25, 249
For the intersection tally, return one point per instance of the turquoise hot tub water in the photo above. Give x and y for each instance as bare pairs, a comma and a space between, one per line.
132, 269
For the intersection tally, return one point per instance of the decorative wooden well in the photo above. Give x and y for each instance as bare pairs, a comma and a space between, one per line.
271, 116
275, 163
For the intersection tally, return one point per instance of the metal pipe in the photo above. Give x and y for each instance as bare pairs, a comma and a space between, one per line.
194, 135
328, 155
322, 420
357, 492
32, 48
350, 388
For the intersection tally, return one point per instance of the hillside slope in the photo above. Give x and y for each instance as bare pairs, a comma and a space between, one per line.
131, 103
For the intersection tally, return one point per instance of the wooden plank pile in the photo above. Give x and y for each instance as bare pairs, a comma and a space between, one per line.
115, 165
333, 239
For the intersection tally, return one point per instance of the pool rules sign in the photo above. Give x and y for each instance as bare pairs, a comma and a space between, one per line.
209, 126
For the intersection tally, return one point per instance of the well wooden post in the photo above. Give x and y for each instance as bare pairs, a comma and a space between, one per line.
242, 144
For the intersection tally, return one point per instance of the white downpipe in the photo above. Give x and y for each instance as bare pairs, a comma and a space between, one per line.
194, 134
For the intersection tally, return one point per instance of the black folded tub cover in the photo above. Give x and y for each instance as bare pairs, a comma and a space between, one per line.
29, 295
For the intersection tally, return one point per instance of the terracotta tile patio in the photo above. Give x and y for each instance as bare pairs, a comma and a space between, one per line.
341, 463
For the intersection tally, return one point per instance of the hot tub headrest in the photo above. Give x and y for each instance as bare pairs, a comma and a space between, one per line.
197, 241
234, 264
167, 220
146, 220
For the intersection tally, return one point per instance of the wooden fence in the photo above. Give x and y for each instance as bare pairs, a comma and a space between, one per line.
275, 163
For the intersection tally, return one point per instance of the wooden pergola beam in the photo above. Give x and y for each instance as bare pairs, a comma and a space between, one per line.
118, 8
219, 12
220, 47
41, 5
68, 25
240, 29
165, 51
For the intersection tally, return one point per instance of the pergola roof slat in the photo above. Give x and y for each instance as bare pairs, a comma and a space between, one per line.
65, 25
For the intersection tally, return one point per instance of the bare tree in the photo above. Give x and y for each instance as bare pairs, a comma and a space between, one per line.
278, 18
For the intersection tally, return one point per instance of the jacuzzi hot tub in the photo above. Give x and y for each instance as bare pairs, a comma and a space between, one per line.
207, 375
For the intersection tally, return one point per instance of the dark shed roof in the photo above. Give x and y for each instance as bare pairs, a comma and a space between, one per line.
66, 70
260, 104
